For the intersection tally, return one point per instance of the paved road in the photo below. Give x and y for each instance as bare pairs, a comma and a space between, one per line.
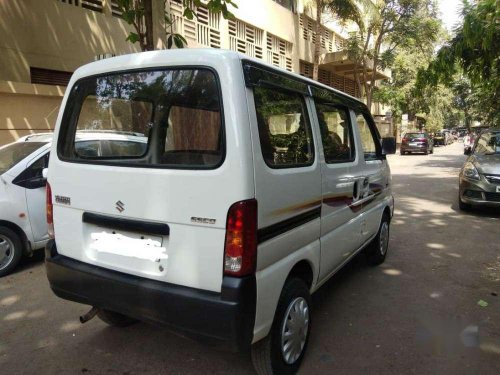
416, 314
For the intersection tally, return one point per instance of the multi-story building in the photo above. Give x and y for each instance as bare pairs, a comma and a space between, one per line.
46, 40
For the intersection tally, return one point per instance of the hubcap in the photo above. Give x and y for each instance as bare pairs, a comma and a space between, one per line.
294, 330
384, 237
6, 251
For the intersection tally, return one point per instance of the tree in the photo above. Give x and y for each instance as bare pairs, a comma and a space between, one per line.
343, 9
139, 14
390, 24
473, 52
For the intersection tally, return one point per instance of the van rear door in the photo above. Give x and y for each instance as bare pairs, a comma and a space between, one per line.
137, 184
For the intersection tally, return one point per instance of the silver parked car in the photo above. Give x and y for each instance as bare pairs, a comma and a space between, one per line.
480, 175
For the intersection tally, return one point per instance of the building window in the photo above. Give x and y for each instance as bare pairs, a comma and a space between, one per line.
203, 29
306, 69
49, 77
245, 38
279, 52
115, 8
94, 5
288, 4
307, 28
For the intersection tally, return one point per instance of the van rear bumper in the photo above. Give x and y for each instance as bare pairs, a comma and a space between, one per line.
225, 318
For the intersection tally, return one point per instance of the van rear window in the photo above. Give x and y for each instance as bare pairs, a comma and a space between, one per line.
161, 118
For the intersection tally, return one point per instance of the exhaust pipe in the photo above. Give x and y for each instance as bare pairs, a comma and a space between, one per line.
92, 312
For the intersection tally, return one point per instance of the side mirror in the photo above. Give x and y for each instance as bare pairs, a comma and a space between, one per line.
45, 172
388, 146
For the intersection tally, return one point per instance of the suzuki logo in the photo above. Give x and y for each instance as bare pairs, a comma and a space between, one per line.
120, 206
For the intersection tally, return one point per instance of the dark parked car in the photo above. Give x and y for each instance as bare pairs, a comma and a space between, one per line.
417, 142
480, 176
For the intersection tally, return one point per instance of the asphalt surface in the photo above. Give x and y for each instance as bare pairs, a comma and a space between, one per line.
418, 313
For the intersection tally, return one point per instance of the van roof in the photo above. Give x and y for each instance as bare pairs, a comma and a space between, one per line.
196, 55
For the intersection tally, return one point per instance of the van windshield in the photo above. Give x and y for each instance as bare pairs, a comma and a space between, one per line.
169, 118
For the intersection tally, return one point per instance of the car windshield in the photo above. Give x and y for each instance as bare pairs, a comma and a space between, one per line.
12, 154
415, 135
488, 144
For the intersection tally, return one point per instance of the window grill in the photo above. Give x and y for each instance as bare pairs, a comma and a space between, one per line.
94, 5
307, 28
279, 52
115, 9
306, 69
203, 29
245, 38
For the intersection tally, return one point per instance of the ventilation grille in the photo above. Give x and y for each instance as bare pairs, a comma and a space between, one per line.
49, 77
94, 5
307, 28
115, 9
245, 38
306, 69
279, 52
203, 29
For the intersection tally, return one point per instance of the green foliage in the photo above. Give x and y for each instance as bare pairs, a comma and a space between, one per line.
390, 26
474, 51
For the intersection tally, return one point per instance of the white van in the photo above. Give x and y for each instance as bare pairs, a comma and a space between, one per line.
256, 186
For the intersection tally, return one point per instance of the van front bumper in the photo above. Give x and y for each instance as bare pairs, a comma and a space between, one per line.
225, 318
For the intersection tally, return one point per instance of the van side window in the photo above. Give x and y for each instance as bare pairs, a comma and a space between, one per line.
284, 128
336, 133
368, 139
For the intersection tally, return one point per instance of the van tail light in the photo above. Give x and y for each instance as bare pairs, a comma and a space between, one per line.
240, 250
50, 211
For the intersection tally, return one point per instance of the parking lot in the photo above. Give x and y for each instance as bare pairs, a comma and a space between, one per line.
432, 307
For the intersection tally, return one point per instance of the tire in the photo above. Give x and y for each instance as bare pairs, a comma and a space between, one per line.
267, 356
463, 206
426, 152
11, 250
377, 249
115, 319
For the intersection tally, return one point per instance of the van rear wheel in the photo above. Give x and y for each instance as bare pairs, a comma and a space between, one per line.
282, 351
377, 249
115, 319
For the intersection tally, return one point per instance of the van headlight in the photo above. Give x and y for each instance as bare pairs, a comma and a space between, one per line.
469, 171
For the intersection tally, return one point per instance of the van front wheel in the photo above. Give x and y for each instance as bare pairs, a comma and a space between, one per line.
377, 249
115, 319
282, 351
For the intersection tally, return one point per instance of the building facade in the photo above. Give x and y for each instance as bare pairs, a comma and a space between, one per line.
48, 39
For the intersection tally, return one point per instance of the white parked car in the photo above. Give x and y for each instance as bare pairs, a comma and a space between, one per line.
23, 223
255, 187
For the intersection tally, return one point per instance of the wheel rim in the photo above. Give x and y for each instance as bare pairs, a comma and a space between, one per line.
6, 251
384, 237
294, 330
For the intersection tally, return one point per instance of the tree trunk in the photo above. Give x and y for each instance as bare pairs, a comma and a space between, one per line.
148, 25
317, 45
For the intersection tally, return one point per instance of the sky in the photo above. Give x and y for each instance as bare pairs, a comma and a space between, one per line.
450, 12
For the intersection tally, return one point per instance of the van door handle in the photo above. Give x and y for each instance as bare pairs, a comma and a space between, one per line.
355, 191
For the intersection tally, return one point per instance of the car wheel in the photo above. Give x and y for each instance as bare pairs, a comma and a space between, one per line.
115, 319
282, 351
377, 249
11, 250
463, 206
